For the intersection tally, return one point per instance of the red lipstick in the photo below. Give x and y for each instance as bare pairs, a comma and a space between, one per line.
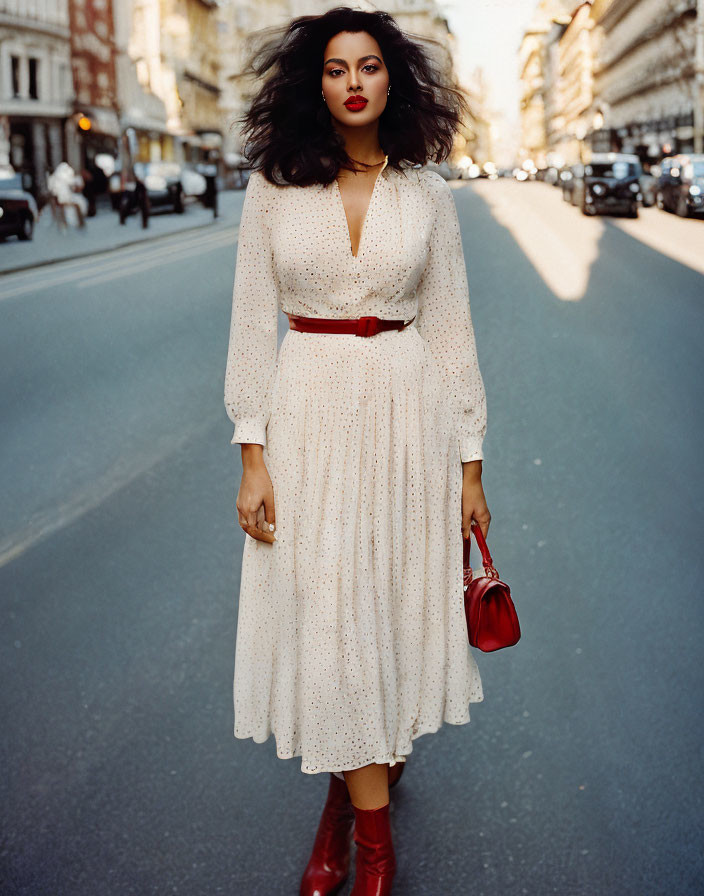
355, 103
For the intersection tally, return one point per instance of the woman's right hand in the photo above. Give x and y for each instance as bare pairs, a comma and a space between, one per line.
255, 500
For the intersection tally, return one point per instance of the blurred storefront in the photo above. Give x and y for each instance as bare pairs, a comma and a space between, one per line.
36, 90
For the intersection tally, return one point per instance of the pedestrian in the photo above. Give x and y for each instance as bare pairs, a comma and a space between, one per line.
65, 186
362, 457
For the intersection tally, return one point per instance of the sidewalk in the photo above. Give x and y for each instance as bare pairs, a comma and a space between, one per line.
104, 232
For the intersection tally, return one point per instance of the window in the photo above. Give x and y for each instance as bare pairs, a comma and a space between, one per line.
33, 88
617, 170
15, 61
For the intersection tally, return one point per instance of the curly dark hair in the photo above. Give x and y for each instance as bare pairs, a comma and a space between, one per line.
295, 142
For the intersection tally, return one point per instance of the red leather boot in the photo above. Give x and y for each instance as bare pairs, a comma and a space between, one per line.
376, 860
329, 864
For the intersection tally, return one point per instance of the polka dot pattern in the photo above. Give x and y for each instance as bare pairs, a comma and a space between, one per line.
351, 637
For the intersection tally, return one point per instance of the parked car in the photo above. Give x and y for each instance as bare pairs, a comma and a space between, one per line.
193, 182
681, 184
610, 183
163, 183
18, 208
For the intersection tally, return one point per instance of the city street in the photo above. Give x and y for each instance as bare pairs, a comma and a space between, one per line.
119, 571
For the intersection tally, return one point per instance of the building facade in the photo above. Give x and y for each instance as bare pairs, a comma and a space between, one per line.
539, 76
190, 58
140, 80
95, 123
238, 21
36, 88
574, 91
649, 76
629, 78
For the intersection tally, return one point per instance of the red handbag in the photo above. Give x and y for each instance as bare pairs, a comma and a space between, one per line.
492, 621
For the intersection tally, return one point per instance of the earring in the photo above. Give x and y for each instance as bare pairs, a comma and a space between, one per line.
388, 91
323, 95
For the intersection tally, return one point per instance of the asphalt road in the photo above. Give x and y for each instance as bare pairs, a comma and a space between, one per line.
580, 773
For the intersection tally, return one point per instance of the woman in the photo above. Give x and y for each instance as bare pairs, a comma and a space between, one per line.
361, 457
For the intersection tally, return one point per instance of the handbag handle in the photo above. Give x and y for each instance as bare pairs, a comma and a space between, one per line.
487, 562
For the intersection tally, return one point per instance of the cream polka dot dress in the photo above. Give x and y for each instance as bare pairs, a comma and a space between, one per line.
351, 636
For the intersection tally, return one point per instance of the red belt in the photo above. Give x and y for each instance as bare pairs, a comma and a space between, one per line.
358, 326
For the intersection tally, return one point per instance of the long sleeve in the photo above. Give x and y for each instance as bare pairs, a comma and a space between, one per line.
445, 323
252, 352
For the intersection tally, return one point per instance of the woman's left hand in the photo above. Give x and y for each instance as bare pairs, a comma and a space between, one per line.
474, 506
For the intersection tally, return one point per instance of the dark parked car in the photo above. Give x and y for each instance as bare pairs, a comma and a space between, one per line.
610, 183
681, 184
18, 208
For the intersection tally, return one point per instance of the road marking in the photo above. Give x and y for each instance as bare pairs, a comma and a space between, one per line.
153, 261
140, 258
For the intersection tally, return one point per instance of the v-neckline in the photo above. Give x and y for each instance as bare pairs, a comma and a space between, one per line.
366, 214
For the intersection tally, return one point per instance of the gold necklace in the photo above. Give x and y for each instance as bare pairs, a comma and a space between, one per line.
368, 165
364, 164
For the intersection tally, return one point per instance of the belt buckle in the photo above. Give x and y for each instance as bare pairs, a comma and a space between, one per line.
367, 326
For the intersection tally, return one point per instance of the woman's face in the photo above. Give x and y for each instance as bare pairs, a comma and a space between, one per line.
354, 70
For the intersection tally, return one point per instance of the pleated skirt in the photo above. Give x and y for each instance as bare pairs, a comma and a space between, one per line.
351, 636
